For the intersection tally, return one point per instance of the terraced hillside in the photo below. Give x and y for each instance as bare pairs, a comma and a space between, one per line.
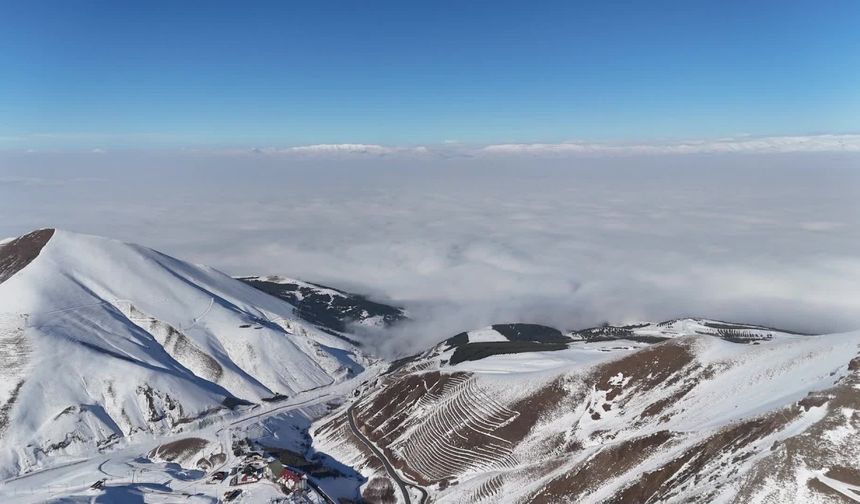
450, 429
695, 418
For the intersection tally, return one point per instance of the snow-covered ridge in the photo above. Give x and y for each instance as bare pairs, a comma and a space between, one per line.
509, 348
102, 339
17, 253
329, 309
656, 331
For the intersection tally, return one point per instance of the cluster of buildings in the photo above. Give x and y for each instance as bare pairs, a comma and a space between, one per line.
255, 468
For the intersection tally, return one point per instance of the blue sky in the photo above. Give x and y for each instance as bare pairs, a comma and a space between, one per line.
167, 73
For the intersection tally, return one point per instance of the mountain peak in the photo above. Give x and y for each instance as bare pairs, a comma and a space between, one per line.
17, 253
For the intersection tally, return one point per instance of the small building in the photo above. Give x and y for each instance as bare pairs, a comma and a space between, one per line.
293, 481
248, 474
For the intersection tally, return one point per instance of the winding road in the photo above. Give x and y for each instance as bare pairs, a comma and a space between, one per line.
388, 467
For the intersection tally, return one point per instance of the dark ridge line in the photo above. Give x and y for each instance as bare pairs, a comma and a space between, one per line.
20, 252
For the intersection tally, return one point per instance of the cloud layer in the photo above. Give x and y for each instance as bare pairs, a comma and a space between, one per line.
342, 149
749, 145
468, 241
453, 148
737, 145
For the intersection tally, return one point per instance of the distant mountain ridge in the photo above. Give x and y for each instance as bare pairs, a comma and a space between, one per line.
651, 332
329, 309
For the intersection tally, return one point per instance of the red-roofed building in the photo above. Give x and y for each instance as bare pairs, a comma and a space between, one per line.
292, 480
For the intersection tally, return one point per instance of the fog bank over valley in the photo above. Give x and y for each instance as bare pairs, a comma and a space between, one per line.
465, 241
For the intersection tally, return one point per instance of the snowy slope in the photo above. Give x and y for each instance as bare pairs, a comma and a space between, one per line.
330, 309
694, 418
101, 339
658, 331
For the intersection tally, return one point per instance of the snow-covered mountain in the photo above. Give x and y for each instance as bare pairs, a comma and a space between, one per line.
683, 411
124, 366
100, 340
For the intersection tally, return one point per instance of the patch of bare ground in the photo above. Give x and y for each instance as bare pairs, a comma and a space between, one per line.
207, 463
687, 381
18, 253
657, 407
649, 367
850, 475
379, 491
691, 466
6, 408
607, 463
539, 470
821, 447
820, 488
844, 474
532, 409
178, 450
392, 411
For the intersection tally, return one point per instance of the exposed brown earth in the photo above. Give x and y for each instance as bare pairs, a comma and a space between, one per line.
837, 457
18, 253
602, 466
646, 368
7, 407
532, 408
379, 491
659, 406
820, 488
689, 467
179, 450
850, 475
